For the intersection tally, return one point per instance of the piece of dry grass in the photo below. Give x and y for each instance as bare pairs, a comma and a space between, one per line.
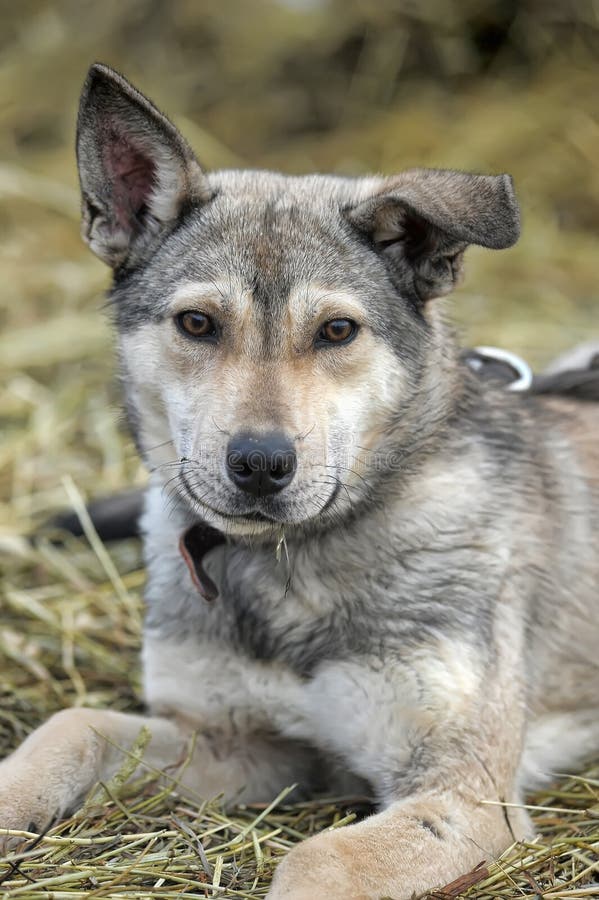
69, 627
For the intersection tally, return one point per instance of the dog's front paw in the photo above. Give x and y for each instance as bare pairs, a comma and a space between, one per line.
322, 868
24, 805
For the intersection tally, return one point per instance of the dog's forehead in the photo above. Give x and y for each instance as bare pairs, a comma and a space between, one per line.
274, 234
272, 221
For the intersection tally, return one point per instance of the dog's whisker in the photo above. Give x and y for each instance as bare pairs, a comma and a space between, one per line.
151, 449
218, 428
302, 437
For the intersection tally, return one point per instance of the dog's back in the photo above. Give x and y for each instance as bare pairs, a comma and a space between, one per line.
563, 618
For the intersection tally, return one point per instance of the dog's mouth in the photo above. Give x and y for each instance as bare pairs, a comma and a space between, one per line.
250, 520
246, 519
256, 516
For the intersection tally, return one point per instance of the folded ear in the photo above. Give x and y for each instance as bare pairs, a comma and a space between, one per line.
137, 173
423, 220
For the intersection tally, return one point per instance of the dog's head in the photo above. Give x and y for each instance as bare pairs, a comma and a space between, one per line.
278, 335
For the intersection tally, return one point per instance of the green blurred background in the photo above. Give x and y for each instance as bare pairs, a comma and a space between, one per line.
343, 85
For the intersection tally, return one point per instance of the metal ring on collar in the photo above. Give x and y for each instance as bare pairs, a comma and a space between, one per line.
524, 380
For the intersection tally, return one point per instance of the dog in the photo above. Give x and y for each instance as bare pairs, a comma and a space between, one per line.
367, 566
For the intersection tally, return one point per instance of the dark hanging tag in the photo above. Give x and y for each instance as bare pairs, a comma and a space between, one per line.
194, 544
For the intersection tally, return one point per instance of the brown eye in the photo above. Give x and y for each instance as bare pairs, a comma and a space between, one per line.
196, 324
337, 331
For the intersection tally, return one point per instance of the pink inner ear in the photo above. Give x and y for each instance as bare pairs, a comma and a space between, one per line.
132, 174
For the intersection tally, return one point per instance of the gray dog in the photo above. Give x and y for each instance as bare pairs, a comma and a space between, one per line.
367, 566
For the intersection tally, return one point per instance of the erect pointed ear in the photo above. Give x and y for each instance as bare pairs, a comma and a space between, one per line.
423, 220
137, 173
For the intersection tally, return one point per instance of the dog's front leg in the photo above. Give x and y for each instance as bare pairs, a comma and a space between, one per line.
438, 736
50, 773
413, 846
59, 762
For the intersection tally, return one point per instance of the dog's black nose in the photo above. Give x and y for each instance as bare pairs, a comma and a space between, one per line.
261, 464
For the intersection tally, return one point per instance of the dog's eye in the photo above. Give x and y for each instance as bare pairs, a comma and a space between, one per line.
196, 324
337, 331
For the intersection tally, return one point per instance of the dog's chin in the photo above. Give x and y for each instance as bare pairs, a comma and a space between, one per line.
252, 522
